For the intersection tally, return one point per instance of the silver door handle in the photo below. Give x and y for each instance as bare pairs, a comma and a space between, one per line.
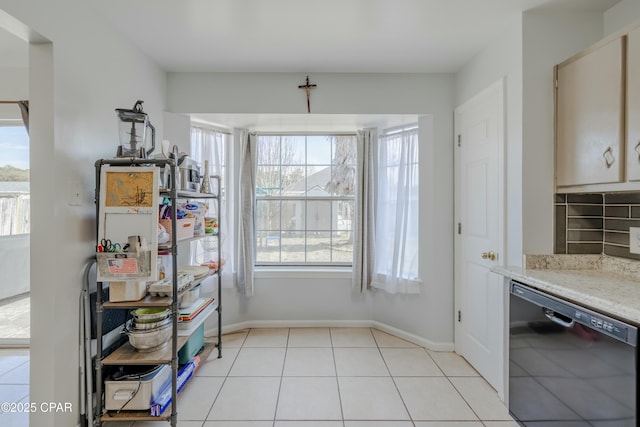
550, 314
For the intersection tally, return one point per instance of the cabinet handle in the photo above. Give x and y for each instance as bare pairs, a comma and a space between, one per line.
608, 157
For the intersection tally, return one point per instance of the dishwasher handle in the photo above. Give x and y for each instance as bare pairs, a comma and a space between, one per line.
551, 315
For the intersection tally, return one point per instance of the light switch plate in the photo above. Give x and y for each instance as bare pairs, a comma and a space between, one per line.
75, 193
634, 240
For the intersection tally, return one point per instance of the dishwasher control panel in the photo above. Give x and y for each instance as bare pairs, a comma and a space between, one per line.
608, 327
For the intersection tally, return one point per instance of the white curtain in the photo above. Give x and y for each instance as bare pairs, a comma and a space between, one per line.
396, 266
215, 147
246, 208
364, 224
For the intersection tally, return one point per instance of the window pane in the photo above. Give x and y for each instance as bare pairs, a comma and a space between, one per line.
268, 215
344, 150
343, 215
269, 150
293, 247
343, 172
318, 178
293, 181
342, 247
318, 215
342, 181
319, 247
293, 215
268, 246
268, 181
293, 150
319, 150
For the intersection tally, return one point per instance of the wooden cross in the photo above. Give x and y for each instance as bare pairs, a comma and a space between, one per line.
308, 88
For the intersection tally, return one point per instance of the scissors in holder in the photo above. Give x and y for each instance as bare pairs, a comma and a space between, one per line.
107, 246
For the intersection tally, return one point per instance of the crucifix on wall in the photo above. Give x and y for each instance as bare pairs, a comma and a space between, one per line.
308, 88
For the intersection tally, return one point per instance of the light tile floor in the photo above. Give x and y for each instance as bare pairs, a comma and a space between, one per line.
14, 384
317, 377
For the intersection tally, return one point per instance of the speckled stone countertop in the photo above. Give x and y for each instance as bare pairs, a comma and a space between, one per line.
606, 284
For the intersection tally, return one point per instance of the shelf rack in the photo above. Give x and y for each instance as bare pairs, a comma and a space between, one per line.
126, 354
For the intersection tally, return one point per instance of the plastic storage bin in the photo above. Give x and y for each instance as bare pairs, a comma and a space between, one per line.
149, 386
192, 346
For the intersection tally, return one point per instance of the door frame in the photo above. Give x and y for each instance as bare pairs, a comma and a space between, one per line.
499, 86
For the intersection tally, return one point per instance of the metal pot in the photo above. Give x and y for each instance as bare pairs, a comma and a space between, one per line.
136, 326
151, 339
189, 297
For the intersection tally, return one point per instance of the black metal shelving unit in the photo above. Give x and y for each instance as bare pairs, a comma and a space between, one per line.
126, 354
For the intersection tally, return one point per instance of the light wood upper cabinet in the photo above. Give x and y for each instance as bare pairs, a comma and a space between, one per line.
590, 117
633, 105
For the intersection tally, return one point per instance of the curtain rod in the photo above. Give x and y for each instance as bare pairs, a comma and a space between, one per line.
9, 102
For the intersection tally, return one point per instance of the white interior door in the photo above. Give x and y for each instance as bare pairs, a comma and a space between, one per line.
479, 237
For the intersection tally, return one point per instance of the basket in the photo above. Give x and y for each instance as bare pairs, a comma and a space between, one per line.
120, 266
185, 228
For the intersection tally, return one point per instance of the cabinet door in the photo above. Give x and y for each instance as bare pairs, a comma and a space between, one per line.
633, 105
589, 114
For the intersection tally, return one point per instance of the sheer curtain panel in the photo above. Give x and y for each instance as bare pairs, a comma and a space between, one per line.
214, 146
397, 232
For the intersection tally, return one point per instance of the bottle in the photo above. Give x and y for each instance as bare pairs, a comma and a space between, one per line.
161, 272
206, 183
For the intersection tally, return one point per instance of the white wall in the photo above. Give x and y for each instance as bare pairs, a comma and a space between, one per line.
14, 86
503, 58
428, 315
548, 39
337, 93
176, 129
76, 83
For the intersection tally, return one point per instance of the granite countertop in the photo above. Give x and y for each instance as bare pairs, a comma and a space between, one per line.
603, 283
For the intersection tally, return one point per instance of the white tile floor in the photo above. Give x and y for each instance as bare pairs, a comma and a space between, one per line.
320, 377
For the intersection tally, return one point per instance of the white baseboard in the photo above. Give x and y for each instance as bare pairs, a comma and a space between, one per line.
423, 342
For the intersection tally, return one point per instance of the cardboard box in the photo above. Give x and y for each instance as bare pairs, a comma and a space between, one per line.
185, 228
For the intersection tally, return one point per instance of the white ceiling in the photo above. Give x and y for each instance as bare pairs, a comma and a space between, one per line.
367, 36
318, 35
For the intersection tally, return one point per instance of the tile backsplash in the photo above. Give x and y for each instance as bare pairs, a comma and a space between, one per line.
596, 223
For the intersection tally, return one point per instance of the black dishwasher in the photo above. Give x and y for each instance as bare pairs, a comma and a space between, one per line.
569, 366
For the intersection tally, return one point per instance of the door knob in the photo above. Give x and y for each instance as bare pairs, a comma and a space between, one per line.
489, 255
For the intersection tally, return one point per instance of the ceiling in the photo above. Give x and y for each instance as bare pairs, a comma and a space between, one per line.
366, 36
363, 36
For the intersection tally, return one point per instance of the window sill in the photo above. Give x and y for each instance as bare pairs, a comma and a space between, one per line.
303, 272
